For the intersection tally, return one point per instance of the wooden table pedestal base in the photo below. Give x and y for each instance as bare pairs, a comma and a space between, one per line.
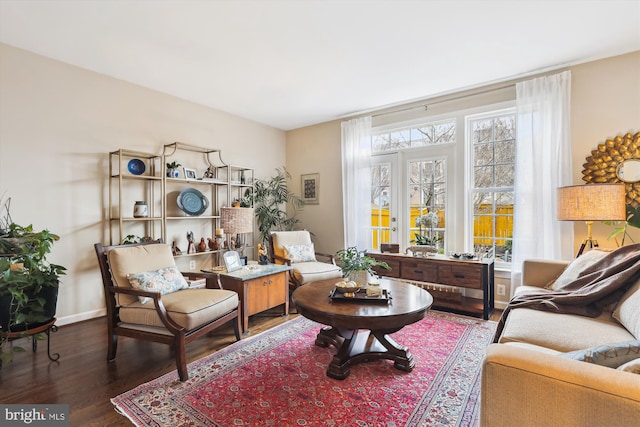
362, 345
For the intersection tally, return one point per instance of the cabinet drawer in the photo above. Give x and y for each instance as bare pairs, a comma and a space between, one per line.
466, 276
417, 270
394, 272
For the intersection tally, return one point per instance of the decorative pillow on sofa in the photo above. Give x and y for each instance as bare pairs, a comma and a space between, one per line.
300, 253
576, 266
611, 355
165, 281
627, 311
633, 366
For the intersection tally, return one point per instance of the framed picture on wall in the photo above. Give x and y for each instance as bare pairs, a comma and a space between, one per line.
310, 187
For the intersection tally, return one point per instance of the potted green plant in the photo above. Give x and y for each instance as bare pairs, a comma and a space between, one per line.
357, 266
269, 198
172, 169
28, 282
426, 243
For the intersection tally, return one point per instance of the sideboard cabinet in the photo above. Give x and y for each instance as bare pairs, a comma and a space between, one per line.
447, 280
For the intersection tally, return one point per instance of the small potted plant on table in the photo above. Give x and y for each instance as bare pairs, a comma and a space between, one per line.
357, 266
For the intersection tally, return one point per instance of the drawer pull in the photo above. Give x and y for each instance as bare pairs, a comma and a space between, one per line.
418, 271
459, 276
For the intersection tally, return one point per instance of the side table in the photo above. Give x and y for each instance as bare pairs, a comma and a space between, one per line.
259, 288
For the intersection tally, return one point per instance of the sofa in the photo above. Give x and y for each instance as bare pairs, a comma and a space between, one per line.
550, 368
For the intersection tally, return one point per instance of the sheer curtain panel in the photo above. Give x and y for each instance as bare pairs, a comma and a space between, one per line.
356, 182
543, 163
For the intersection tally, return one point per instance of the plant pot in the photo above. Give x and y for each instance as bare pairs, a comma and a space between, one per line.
50, 294
361, 277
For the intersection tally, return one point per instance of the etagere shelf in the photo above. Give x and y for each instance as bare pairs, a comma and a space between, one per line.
202, 169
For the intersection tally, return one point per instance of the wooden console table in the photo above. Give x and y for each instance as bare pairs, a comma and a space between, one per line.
443, 278
258, 289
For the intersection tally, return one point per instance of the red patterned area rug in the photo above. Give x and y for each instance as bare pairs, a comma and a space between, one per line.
278, 378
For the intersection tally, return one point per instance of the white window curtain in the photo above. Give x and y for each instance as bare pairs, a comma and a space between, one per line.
543, 163
356, 182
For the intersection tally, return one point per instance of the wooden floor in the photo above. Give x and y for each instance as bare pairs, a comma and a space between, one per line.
84, 380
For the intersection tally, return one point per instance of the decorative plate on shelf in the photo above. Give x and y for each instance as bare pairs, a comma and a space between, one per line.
192, 202
136, 166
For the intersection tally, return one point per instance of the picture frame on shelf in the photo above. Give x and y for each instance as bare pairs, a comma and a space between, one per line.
310, 188
190, 173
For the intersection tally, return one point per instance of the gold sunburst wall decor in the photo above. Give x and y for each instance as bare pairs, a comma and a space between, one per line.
617, 160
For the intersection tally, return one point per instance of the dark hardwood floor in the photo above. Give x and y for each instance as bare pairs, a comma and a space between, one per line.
84, 380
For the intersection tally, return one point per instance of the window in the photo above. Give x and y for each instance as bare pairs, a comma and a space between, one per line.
492, 141
427, 202
451, 181
380, 203
441, 132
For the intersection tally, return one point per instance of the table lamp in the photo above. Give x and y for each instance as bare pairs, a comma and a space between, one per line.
236, 221
591, 202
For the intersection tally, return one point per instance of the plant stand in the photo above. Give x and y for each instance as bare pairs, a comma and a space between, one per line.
47, 328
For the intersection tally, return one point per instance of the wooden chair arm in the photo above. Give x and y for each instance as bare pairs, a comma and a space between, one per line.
330, 257
213, 280
283, 260
166, 320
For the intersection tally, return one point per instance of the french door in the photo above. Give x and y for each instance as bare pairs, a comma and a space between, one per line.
384, 199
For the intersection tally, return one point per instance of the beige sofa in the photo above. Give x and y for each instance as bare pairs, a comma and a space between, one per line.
531, 378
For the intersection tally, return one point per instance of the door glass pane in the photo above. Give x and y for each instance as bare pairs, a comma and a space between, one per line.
380, 204
427, 201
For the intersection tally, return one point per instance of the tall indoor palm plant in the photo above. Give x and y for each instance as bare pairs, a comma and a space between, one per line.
269, 198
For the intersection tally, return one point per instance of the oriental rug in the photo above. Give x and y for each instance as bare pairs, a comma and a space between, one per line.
278, 378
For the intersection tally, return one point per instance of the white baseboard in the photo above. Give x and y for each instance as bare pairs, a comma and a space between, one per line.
500, 304
66, 320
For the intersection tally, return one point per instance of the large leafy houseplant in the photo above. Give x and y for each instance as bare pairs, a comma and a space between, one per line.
269, 198
352, 261
28, 282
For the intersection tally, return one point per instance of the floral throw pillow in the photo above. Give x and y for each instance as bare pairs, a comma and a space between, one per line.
300, 253
165, 281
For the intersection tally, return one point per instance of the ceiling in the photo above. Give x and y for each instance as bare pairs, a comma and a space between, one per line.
290, 64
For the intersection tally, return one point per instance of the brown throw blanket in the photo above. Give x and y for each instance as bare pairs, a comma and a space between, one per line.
596, 287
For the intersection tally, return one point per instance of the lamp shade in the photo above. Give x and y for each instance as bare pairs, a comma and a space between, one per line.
236, 220
592, 202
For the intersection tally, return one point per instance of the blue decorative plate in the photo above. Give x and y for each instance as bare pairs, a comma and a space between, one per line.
136, 166
192, 202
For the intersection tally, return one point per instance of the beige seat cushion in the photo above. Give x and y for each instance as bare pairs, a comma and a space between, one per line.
189, 308
305, 272
135, 259
561, 332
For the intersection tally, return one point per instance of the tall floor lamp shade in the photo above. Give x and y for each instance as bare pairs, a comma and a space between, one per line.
589, 203
236, 221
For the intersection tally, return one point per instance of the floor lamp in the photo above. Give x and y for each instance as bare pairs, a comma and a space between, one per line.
236, 221
589, 203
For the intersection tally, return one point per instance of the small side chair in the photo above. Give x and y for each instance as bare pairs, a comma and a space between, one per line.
296, 249
148, 299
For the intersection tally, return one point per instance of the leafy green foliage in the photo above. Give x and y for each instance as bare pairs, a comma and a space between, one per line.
269, 198
25, 272
351, 259
422, 239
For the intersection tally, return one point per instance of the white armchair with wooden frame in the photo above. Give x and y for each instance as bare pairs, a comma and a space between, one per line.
296, 249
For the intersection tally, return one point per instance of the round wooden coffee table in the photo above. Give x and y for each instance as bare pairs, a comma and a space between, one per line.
359, 329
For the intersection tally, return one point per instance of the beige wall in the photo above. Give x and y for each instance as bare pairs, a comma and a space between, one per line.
605, 103
57, 124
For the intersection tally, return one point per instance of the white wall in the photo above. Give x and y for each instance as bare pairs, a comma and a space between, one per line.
57, 125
